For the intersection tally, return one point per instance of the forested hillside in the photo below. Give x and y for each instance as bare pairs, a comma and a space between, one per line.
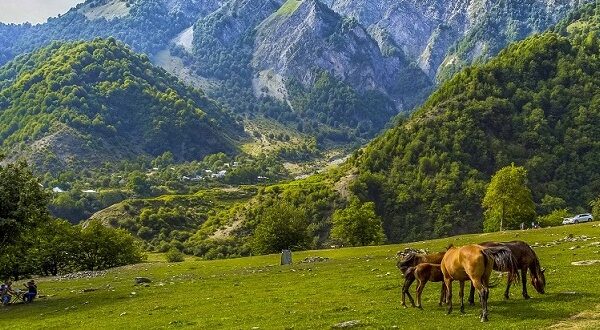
336, 70
535, 105
84, 104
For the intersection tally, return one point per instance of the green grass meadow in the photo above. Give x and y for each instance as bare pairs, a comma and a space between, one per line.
355, 284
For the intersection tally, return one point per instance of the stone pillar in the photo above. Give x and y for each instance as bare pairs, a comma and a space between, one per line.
286, 257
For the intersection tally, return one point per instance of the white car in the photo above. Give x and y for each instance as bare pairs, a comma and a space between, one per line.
585, 217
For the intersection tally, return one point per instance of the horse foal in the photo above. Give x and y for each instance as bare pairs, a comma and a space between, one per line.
429, 272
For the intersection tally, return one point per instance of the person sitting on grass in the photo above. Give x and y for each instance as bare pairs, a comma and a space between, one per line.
31, 291
6, 293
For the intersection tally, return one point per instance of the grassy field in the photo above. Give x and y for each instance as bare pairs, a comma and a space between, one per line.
354, 284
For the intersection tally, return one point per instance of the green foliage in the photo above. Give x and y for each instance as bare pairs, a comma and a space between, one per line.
282, 227
553, 219
174, 255
551, 203
56, 250
22, 206
357, 225
595, 204
335, 104
100, 94
138, 183
508, 200
31, 242
171, 220
536, 104
102, 247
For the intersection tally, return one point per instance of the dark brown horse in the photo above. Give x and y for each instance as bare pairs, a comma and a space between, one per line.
411, 261
526, 259
474, 263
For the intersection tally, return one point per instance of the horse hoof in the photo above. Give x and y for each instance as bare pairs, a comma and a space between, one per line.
420, 307
506, 297
526, 296
462, 310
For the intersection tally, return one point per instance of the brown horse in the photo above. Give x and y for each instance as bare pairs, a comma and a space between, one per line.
411, 261
475, 263
526, 259
428, 272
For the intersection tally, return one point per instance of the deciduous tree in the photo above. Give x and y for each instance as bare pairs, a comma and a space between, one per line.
508, 200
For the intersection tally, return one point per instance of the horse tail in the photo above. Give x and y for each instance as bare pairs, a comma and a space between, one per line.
504, 261
535, 268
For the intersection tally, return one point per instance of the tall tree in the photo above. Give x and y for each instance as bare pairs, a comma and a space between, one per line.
23, 204
358, 225
281, 227
508, 200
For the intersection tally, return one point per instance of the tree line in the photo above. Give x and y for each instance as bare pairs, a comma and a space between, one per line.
33, 242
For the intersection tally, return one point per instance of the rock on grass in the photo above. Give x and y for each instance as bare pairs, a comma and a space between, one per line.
347, 324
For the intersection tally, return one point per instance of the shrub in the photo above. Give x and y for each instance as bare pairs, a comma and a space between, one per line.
174, 255
553, 219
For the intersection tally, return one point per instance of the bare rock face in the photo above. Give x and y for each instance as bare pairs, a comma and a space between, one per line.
313, 36
442, 36
299, 43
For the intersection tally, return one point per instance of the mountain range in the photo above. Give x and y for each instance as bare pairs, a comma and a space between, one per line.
270, 57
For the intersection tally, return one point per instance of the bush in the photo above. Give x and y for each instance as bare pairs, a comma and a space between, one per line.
174, 255
358, 225
100, 247
553, 219
595, 204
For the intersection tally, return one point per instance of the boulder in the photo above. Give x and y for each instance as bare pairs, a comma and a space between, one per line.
141, 280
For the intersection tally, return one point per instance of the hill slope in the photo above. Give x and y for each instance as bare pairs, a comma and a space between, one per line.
354, 284
535, 105
85, 103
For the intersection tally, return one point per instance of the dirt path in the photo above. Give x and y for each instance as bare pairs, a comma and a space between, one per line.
589, 319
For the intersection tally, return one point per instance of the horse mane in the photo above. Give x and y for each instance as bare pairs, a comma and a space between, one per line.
534, 268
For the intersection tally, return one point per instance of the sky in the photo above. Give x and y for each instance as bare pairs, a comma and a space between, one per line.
33, 11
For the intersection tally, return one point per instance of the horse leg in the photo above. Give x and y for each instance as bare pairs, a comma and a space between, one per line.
406, 292
462, 297
508, 283
524, 280
483, 294
420, 288
472, 295
448, 283
442, 294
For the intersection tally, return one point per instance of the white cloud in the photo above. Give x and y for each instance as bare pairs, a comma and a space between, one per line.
33, 11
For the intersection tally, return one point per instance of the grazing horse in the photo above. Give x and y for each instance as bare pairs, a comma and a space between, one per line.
411, 261
475, 263
526, 259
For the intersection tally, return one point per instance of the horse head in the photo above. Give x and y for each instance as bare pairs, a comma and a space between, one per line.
538, 280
